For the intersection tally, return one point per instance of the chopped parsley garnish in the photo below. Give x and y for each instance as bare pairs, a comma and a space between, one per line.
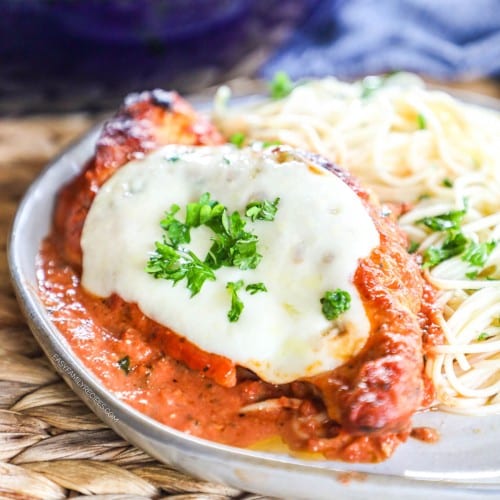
254, 288
244, 254
413, 247
236, 304
421, 122
262, 210
454, 244
203, 211
334, 303
281, 85
232, 245
124, 364
170, 263
447, 182
483, 336
444, 222
238, 139
177, 231
476, 254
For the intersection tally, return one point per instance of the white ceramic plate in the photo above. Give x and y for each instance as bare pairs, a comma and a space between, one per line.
464, 464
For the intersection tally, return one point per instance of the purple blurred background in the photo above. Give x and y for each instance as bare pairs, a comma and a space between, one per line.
61, 55
58, 55
448, 40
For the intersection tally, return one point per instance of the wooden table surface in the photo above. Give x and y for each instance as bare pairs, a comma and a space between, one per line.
51, 445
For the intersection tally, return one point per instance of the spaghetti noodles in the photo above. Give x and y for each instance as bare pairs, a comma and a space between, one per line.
440, 159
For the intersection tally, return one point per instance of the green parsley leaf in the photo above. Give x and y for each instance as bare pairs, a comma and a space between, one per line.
238, 139
245, 255
447, 182
421, 122
334, 303
236, 304
454, 244
219, 253
413, 247
174, 264
254, 288
444, 222
177, 231
164, 262
483, 336
197, 273
233, 245
169, 216
124, 364
203, 211
235, 226
476, 254
262, 210
281, 85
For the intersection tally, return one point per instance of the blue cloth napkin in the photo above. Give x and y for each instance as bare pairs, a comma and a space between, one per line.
444, 39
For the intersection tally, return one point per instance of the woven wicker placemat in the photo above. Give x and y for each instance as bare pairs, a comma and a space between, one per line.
51, 445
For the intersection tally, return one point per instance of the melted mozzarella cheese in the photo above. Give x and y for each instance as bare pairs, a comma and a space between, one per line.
320, 232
